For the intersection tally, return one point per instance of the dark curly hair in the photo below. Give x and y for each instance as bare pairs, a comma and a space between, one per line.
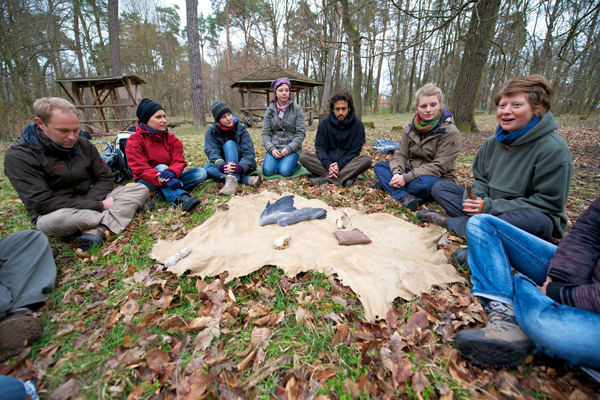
343, 95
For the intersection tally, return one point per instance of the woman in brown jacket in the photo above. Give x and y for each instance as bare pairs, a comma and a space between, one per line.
426, 154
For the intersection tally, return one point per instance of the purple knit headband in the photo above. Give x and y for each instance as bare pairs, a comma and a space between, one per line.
280, 81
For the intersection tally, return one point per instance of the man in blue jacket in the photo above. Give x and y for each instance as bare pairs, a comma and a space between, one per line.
340, 138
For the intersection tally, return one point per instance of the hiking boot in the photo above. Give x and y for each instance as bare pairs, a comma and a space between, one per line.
89, 238
501, 343
319, 181
255, 180
348, 183
19, 329
157, 196
148, 205
186, 202
411, 202
433, 218
375, 185
461, 256
231, 184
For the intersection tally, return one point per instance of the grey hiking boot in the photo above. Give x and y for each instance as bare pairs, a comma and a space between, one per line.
255, 180
231, 184
501, 343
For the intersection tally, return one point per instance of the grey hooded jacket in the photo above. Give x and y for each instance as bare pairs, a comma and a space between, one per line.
288, 132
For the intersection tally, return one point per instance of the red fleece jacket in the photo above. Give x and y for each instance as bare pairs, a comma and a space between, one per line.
145, 150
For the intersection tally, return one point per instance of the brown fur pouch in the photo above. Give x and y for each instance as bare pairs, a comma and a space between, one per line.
348, 238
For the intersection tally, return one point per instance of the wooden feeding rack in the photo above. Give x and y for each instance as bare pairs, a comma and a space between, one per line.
259, 82
105, 101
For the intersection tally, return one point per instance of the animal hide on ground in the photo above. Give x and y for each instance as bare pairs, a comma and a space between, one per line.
401, 261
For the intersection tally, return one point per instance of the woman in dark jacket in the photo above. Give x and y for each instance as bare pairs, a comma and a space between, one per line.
230, 151
156, 158
283, 131
426, 154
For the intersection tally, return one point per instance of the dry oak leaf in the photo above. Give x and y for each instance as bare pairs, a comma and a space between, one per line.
68, 390
198, 323
419, 319
131, 307
419, 381
259, 310
260, 337
323, 374
241, 366
156, 359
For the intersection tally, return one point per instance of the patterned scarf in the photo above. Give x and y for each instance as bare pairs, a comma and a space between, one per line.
507, 138
425, 127
281, 109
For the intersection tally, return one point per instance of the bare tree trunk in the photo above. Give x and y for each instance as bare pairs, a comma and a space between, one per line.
77, 34
464, 96
228, 41
354, 38
386, 14
191, 10
329, 72
113, 37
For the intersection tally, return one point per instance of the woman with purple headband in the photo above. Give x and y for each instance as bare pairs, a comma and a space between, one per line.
283, 131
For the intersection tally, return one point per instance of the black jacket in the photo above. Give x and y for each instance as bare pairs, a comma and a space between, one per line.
339, 142
48, 177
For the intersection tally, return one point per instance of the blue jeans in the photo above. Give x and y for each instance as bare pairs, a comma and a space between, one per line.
420, 187
285, 166
190, 179
560, 331
12, 388
232, 152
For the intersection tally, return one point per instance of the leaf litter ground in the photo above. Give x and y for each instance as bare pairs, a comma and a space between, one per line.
119, 326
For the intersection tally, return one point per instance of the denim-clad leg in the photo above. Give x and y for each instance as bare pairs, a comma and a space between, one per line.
270, 165
495, 246
420, 187
560, 331
288, 165
285, 166
170, 194
449, 195
232, 152
12, 388
214, 172
192, 178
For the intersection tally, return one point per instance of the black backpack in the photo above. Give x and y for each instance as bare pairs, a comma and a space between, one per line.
115, 159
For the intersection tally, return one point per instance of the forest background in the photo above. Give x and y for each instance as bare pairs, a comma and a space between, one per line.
118, 326
382, 50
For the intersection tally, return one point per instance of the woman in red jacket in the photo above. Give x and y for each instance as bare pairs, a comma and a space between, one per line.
156, 158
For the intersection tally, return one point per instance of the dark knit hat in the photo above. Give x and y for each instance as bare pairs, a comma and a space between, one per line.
146, 110
219, 109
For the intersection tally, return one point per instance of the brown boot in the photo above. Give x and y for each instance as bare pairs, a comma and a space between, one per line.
231, 184
19, 329
501, 343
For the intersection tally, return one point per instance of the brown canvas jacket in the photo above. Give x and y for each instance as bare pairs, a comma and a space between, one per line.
432, 155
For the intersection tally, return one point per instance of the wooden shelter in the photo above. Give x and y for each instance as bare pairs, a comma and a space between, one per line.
99, 97
259, 82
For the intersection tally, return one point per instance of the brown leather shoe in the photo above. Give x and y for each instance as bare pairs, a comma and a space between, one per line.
19, 329
433, 218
